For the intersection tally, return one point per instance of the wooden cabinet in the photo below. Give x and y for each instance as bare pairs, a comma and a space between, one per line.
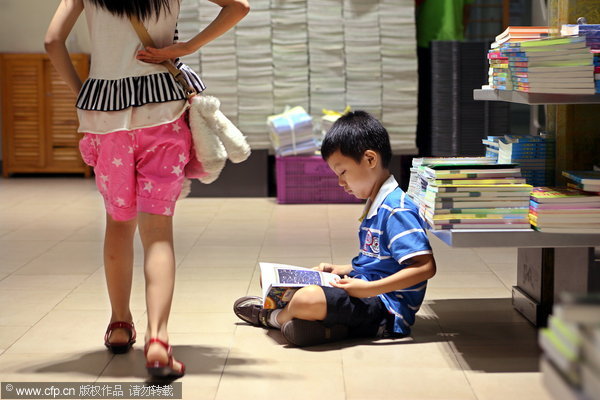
39, 119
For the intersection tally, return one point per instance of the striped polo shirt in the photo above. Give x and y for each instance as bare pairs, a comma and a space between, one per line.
391, 233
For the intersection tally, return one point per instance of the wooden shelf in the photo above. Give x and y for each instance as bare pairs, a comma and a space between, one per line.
534, 98
514, 238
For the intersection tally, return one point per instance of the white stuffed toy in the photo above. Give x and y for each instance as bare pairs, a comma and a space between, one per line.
215, 137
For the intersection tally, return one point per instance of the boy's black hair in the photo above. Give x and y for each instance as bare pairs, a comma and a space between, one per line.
353, 134
143, 9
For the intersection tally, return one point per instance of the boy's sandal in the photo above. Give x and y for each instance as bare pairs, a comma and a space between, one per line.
161, 370
120, 347
311, 333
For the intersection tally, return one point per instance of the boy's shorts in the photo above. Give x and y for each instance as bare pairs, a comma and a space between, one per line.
140, 170
363, 317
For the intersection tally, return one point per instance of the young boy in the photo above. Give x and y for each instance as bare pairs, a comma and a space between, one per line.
383, 288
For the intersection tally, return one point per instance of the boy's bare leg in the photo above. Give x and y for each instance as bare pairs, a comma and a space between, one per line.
118, 269
156, 232
309, 303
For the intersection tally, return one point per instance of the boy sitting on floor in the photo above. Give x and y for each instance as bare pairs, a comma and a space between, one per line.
383, 288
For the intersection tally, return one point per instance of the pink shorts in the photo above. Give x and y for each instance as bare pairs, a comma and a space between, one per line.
140, 170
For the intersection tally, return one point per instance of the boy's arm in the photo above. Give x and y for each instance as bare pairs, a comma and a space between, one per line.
231, 13
422, 268
61, 25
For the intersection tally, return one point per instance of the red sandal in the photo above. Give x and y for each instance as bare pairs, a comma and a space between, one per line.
122, 347
161, 370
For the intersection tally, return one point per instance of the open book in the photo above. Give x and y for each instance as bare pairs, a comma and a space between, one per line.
280, 282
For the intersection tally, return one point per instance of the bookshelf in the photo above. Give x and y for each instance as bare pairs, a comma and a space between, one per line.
549, 263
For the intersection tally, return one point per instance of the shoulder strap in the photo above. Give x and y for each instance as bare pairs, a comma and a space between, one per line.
147, 41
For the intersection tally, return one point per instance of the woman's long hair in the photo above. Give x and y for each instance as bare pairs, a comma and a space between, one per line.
143, 9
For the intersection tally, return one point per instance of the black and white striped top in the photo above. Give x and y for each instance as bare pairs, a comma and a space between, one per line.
135, 91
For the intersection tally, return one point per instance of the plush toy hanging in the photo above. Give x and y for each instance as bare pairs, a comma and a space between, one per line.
215, 137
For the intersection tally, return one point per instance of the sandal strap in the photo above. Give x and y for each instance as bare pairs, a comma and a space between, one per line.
164, 344
120, 325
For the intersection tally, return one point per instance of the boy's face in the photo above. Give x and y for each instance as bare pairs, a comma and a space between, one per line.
357, 178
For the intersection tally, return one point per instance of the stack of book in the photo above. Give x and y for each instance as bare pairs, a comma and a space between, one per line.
591, 32
326, 56
564, 211
255, 74
219, 64
588, 181
557, 65
570, 361
483, 195
290, 53
362, 46
596, 70
499, 73
492, 147
534, 154
592, 40
291, 133
514, 34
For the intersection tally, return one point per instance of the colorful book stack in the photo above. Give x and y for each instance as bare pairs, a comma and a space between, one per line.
564, 211
588, 181
499, 73
561, 65
570, 361
415, 185
534, 154
592, 40
472, 196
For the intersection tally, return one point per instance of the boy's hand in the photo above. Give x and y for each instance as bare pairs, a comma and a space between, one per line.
354, 287
340, 270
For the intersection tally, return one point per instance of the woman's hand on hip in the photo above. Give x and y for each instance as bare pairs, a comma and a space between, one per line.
156, 56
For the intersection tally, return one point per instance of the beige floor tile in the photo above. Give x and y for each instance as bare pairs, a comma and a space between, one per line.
64, 331
502, 386
387, 381
213, 272
26, 307
10, 334
438, 293
497, 255
84, 366
466, 280
66, 258
395, 353
35, 282
272, 378
16, 253
295, 251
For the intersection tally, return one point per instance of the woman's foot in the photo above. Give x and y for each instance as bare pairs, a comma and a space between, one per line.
160, 362
119, 336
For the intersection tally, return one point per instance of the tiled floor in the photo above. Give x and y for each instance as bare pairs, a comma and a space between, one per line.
468, 342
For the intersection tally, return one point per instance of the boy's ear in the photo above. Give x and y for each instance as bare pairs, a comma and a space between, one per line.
371, 157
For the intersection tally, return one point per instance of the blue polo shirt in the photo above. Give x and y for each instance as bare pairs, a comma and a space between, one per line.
391, 233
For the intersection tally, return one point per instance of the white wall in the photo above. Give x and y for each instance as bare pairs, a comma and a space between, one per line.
23, 25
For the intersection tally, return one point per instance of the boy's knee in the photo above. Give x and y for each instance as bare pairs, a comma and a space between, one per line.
309, 296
